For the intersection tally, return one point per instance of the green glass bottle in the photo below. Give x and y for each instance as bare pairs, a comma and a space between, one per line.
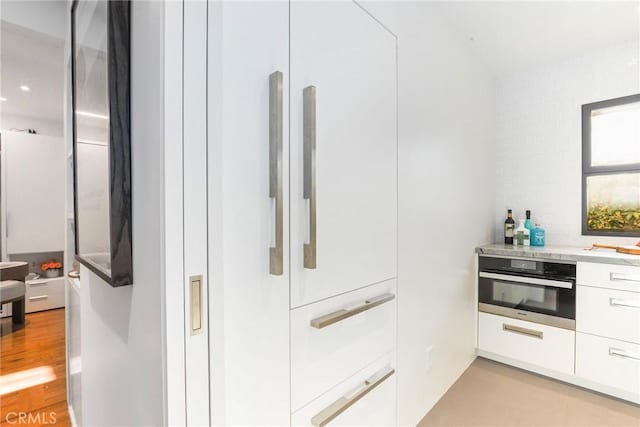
509, 227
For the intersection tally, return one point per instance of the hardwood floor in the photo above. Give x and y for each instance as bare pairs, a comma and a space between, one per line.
493, 394
33, 371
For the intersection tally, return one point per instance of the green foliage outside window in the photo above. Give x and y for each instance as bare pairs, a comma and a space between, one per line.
613, 218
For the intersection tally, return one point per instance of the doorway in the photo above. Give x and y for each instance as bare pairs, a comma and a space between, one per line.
39, 339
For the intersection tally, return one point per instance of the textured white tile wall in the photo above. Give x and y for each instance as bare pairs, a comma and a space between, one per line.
538, 137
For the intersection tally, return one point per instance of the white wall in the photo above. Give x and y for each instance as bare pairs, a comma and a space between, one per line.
446, 198
41, 126
122, 347
538, 137
50, 20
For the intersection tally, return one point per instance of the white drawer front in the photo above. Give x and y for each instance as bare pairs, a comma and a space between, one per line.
541, 345
609, 362
322, 357
609, 313
5, 310
44, 286
622, 277
44, 301
368, 398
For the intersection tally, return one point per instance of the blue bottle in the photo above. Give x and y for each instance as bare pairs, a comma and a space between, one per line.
528, 224
537, 236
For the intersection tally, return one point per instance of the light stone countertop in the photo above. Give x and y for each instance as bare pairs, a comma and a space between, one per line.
560, 253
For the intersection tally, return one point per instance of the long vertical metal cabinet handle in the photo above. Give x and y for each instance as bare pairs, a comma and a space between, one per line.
329, 413
276, 263
309, 166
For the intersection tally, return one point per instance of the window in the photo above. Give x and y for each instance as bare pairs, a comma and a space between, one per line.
611, 167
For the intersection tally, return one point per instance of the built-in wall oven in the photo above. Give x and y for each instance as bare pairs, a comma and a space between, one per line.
534, 290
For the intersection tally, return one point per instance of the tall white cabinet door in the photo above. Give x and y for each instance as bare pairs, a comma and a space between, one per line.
254, 115
34, 180
350, 59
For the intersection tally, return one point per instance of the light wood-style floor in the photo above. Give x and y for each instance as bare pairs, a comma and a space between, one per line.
493, 394
33, 371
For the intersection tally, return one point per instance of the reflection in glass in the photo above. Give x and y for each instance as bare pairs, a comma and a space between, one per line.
92, 133
615, 135
613, 202
520, 296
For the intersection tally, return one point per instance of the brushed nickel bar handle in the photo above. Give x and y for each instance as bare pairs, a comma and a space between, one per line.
522, 331
38, 282
617, 277
276, 254
622, 353
39, 297
615, 302
332, 411
309, 171
527, 280
337, 316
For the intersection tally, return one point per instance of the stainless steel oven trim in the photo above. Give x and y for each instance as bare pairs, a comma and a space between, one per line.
555, 261
529, 316
527, 280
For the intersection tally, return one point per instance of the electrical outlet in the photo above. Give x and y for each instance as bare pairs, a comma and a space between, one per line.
429, 363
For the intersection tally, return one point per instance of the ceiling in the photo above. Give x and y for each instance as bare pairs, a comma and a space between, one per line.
32, 47
514, 35
506, 35
33, 59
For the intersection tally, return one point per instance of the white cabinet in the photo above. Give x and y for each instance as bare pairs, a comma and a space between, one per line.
611, 363
329, 345
608, 313
368, 398
539, 345
267, 53
256, 303
33, 181
609, 276
350, 59
44, 294
5, 310
608, 325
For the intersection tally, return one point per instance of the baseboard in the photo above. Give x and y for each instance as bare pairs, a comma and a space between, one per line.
560, 376
72, 416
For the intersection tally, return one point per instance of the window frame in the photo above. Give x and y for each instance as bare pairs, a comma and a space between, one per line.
588, 170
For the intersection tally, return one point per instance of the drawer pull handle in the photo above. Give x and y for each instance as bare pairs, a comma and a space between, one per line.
74, 274
622, 353
329, 413
522, 331
39, 297
337, 316
617, 277
37, 283
615, 302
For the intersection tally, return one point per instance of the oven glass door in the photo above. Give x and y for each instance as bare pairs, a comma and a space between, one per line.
550, 300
